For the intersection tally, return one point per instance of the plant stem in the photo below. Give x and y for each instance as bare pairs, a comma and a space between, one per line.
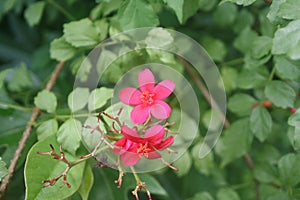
75, 115
234, 61
16, 107
62, 10
272, 74
22, 143
137, 178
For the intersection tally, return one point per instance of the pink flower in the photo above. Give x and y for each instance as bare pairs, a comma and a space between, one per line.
132, 147
148, 99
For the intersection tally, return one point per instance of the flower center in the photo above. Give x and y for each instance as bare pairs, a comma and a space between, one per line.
143, 150
147, 98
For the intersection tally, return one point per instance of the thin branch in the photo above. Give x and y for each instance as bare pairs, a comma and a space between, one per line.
22, 143
214, 105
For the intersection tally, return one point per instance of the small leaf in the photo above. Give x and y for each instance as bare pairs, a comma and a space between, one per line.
81, 33
273, 13
3, 169
225, 14
261, 46
245, 40
158, 37
240, 2
20, 79
280, 93
99, 97
61, 50
294, 119
241, 104
46, 100
287, 69
229, 77
184, 164
86, 183
43, 167
78, 98
69, 135
261, 123
227, 194
241, 140
46, 129
288, 167
34, 12
91, 139
248, 79
290, 9
137, 14
285, 40
214, 47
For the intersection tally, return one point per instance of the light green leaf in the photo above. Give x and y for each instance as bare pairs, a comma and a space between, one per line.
290, 9
61, 50
261, 123
241, 104
158, 37
241, 140
86, 183
47, 128
69, 135
288, 167
240, 2
81, 67
287, 69
136, 14
91, 139
204, 165
20, 79
273, 13
227, 194
281, 94
99, 97
261, 46
177, 6
286, 40
78, 98
3, 169
229, 78
248, 79
34, 12
294, 137
46, 100
81, 33
184, 164
266, 173
294, 119
245, 40
44, 167
214, 47
202, 196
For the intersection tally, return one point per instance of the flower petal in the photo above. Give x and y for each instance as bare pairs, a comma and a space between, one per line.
130, 96
153, 155
155, 134
165, 144
140, 114
164, 89
131, 134
146, 80
130, 159
160, 110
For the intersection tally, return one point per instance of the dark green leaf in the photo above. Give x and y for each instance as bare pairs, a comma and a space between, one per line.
3, 169
288, 167
214, 47
20, 79
202, 196
34, 13
279, 195
225, 14
43, 167
227, 194
261, 123
69, 135
245, 40
61, 50
204, 165
46, 129
3, 76
86, 183
241, 104
46, 100
184, 164
290, 9
78, 98
136, 14
280, 93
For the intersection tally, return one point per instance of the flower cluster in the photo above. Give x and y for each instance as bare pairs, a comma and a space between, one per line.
148, 102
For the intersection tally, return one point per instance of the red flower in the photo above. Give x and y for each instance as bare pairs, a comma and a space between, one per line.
148, 99
132, 146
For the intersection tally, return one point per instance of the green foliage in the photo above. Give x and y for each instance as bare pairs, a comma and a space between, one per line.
261, 123
34, 13
46, 100
3, 169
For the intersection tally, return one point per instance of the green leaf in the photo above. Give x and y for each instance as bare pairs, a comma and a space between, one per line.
290, 9
158, 37
202, 196
261, 46
266, 173
286, 40
279, 195
227, 194
78, 98
288, 167
136, 14
287, 69
46, 100
81, 68
177, 6
294, 119
20, 79
294, 137
81, 33
99, 97
273, 13
34, 12
229, 78
61, 50
225, 14
261, 123
245, 40
69, 135
243, 20
3, 169
241, 140
214, 125
204, 165
240, 2
44, 167
86, 183
280, 93
3, 75
214, 47
46, 129
184, 164
248, 79
241, 104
